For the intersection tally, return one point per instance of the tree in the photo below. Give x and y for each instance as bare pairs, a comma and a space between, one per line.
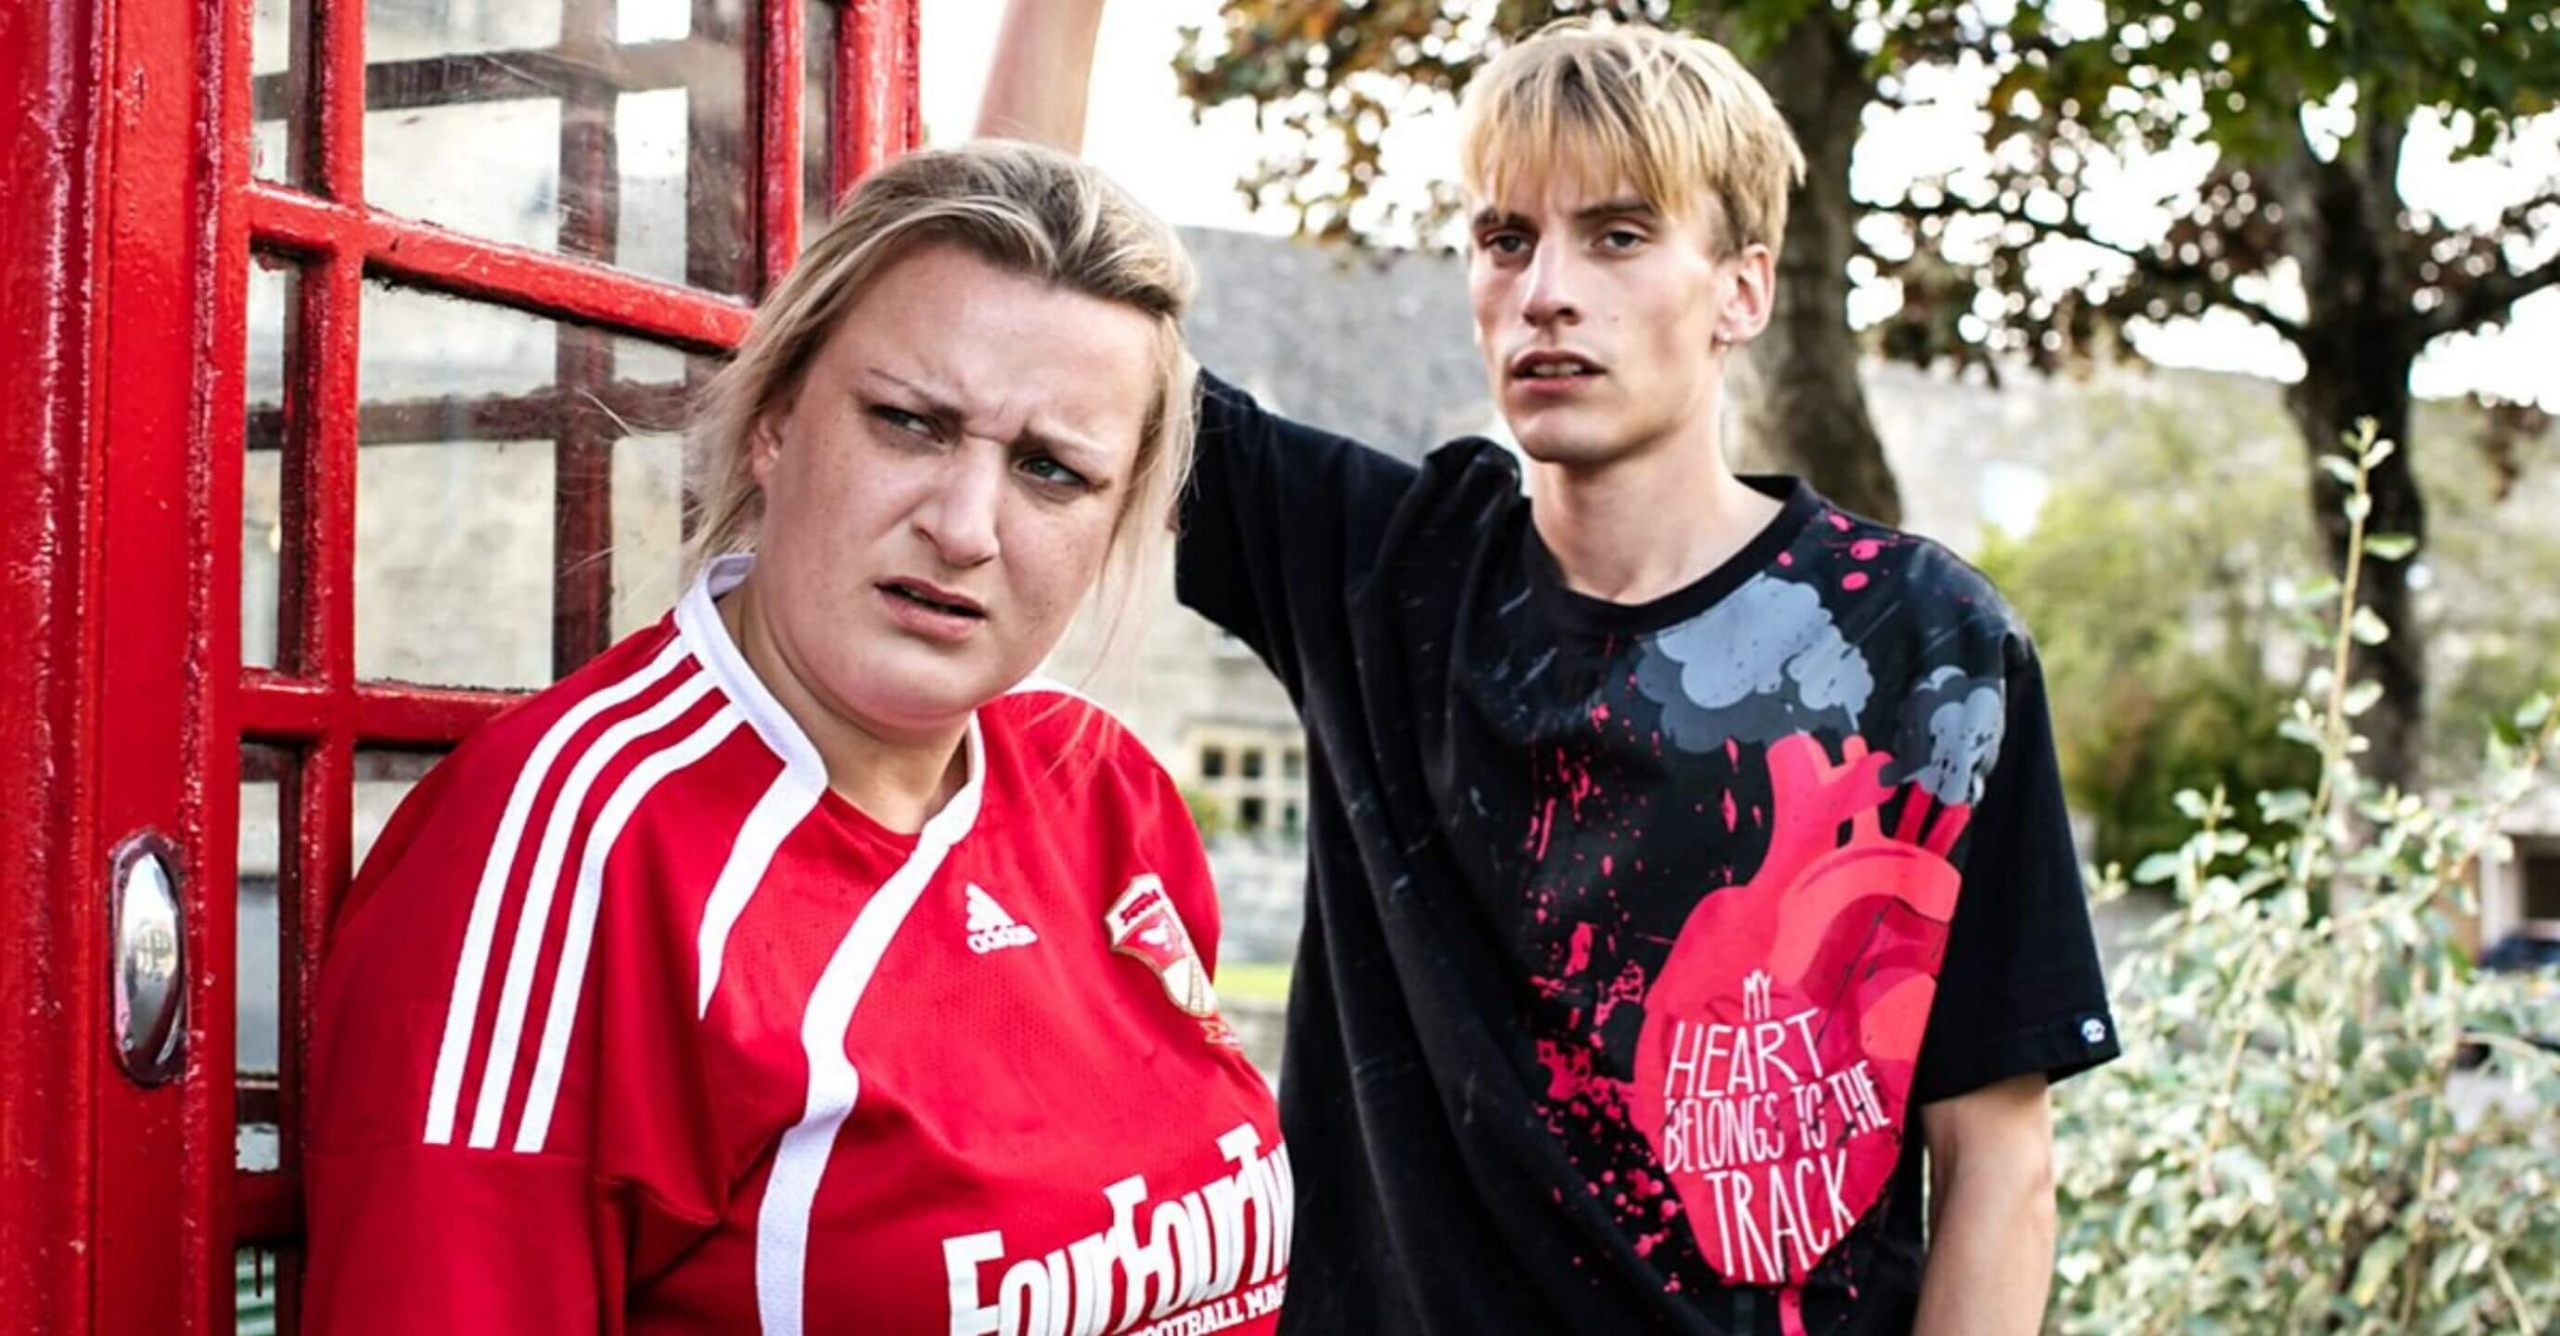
2493, 570
2305, 113
2172, 515
2304, 108
2145, 579
1338, 74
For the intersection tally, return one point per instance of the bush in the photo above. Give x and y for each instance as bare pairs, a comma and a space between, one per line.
2188, 723
2291, 1141
2145, 578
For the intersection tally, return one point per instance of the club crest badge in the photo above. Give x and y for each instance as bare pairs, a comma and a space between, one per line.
1146, 927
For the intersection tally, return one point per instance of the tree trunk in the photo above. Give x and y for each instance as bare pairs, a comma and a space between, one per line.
2326, 406
2358, 347
1802, 408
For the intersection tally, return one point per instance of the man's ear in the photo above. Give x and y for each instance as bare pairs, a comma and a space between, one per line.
1754, 296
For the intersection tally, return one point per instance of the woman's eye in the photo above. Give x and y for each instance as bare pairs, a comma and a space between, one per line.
904, 420
1045, 469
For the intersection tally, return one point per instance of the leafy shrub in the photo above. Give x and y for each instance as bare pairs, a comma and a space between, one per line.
2326, 1119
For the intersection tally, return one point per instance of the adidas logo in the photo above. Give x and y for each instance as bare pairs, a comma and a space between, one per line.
990, 928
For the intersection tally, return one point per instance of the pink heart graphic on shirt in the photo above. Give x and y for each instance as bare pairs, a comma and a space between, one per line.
1781, 1034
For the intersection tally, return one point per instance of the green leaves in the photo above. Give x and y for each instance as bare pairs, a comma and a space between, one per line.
2284, 806
2279, 1148
2389, 546
2157, 868
2374, 1270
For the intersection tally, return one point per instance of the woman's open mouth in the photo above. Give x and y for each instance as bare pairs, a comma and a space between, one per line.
927, 597
932, 611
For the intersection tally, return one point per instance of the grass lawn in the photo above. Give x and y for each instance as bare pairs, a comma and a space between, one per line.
1254, 982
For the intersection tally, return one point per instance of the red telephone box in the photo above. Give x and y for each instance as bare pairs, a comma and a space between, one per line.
348, 343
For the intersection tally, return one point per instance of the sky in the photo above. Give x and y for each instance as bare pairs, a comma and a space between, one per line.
1141, 131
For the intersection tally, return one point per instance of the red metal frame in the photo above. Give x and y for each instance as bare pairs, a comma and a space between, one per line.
877, 115
127, 225
52, 997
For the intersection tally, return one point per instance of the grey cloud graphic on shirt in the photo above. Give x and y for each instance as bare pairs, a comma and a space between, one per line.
1761, 664
1948, 735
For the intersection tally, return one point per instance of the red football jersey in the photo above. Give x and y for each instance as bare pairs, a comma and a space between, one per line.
632, 1025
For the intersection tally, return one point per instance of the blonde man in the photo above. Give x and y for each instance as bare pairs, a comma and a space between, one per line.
1679, 842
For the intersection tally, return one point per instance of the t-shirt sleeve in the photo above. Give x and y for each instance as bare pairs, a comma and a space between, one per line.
2021, 989
1279, 522
436, 1203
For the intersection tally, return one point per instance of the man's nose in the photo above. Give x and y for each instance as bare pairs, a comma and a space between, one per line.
1551, 295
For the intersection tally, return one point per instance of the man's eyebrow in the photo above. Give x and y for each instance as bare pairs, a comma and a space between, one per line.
1616, 208
1627, 207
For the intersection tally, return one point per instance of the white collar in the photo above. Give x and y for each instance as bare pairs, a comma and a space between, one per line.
706, 637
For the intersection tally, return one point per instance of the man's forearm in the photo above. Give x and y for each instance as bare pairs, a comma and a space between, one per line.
1041, 72
1991, 1253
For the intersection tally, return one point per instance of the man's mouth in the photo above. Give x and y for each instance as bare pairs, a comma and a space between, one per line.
1552, 366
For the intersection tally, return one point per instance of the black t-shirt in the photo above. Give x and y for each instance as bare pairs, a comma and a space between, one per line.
1635, 934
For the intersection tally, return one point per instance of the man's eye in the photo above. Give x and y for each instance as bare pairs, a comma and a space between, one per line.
1506, 244
1620, 238
1045, 469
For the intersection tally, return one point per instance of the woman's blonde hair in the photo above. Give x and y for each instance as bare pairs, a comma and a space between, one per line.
1675, 117
1022, 208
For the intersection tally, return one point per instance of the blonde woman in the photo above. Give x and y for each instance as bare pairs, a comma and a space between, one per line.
797, 966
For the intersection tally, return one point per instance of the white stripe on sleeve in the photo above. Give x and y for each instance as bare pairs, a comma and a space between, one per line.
566, 986
507, 1034
470, 973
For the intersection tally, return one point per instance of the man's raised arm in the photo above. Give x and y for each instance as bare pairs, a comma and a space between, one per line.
1043, 66
1279, 520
